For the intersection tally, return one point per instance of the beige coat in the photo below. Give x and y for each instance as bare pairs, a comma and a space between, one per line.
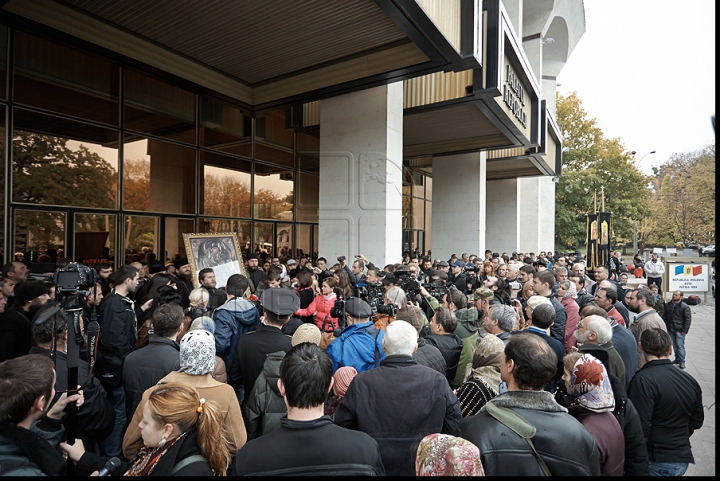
211, 390
647, 321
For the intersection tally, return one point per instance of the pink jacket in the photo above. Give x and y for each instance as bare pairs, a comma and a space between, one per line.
573, 319
321, 308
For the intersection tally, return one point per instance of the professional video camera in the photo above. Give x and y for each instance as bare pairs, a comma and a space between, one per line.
407, 282
338, 310
437, 289
373, 294
389, 309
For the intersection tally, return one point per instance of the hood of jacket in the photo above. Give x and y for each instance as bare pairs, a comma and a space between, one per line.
237, 305
271, 369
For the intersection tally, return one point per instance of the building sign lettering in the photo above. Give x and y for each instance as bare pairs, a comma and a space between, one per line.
514, 95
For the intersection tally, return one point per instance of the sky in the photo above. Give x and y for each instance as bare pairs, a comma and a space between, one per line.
645, 71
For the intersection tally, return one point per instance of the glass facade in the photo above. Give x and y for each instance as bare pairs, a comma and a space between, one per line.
123, 162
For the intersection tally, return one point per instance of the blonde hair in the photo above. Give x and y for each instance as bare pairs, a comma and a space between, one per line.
180, 404
199, 297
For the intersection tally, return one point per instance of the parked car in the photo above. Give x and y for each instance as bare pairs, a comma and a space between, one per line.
708, 251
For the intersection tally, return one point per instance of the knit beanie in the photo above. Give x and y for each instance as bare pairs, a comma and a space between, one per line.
27, 290
306, 333
197, 352
342, 378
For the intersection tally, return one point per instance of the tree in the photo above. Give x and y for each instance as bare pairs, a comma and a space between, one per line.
683, 200
591, 164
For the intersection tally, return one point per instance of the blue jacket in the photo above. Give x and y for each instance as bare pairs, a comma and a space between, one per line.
233, 319
357, 346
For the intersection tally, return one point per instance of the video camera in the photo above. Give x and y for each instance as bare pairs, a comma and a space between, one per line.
389, 309
437, 289
407, 282
373, 294
338, 310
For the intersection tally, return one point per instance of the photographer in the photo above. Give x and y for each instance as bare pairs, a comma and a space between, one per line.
472, 281
360, 344
394, 300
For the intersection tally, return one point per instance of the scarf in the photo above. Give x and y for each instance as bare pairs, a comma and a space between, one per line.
147, 459
197, 352
36, 448
446, 455
571, 292
328, 297
590, 385
487, 357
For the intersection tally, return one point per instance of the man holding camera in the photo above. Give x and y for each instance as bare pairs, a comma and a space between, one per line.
360, 344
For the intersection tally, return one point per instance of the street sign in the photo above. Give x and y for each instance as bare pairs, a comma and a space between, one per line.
688, 277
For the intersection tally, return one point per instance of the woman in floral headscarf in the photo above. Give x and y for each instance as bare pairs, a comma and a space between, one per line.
592, 404
483, 378
446, 455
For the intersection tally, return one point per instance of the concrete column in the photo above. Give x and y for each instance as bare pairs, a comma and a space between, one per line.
503, 221
458, 216
360, 193
537, 213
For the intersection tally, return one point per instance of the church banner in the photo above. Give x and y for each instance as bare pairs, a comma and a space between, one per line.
599, 228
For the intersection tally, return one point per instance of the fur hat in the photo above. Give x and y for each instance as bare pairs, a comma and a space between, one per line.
183, 261
27, 290
342, 378
306, 333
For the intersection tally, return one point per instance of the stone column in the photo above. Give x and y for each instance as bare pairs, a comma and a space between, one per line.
503, 226
536, 198
458, 216
360, 193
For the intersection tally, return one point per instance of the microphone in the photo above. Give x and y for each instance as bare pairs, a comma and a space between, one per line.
45, 313
110, 467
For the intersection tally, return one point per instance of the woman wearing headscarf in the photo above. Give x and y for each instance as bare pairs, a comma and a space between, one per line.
197, 362
483, 378
183, 435
447, 455
593, 402
567, 295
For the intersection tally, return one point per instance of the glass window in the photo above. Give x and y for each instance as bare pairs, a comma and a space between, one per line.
273, 194
158, 108
303, 240
240, 227
158, 176
94, 238
224, 127
140, 232
428, 189
307, 204
3, 64
174, 240
264, 238
274, 141
34, 228
284, 240
63, 162
65, 80
226, 185
406, 211
418, 213
308, 152
428, 225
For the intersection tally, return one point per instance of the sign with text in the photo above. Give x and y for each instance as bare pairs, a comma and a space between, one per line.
688, 277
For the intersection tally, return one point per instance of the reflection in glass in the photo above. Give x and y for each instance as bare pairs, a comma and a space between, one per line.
302, 240
240, 227
34, 228
65, 80
94, 237
274, 142
174, 241
3, 66
159, 177
141, 231
226, 191
418, 213
263, 238
284, 240
224, 127
308, 152
308, 204
158, 108
274, 196
61, 162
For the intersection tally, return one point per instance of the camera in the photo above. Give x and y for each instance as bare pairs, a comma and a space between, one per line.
389, 309
515, 285
75, 277
338, 311
341, 259
472, 270
407, 281
373, 294
436, 289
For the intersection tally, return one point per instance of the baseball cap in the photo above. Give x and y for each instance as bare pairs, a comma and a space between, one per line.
483, 293
458, 263
291, 262
443, 264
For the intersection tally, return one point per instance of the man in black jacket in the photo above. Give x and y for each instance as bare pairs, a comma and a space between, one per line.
143, 368
307, 442
95, 418
15, 326
669, 402
399, 402
543, 283
677, 316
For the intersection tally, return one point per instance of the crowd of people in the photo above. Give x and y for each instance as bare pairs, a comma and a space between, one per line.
495, 364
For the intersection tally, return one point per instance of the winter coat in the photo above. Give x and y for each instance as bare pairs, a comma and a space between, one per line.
566, 447
430, 356
265, 406
677, 317
609, 438
359, 346
31, 452
145, 367
573, 319
557, 330
636, 456
466, 355
626, 345
450, 347
467, 322
399, 403
117, 338
669, 401
233, 319
321, 306
306, 295
211, 390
